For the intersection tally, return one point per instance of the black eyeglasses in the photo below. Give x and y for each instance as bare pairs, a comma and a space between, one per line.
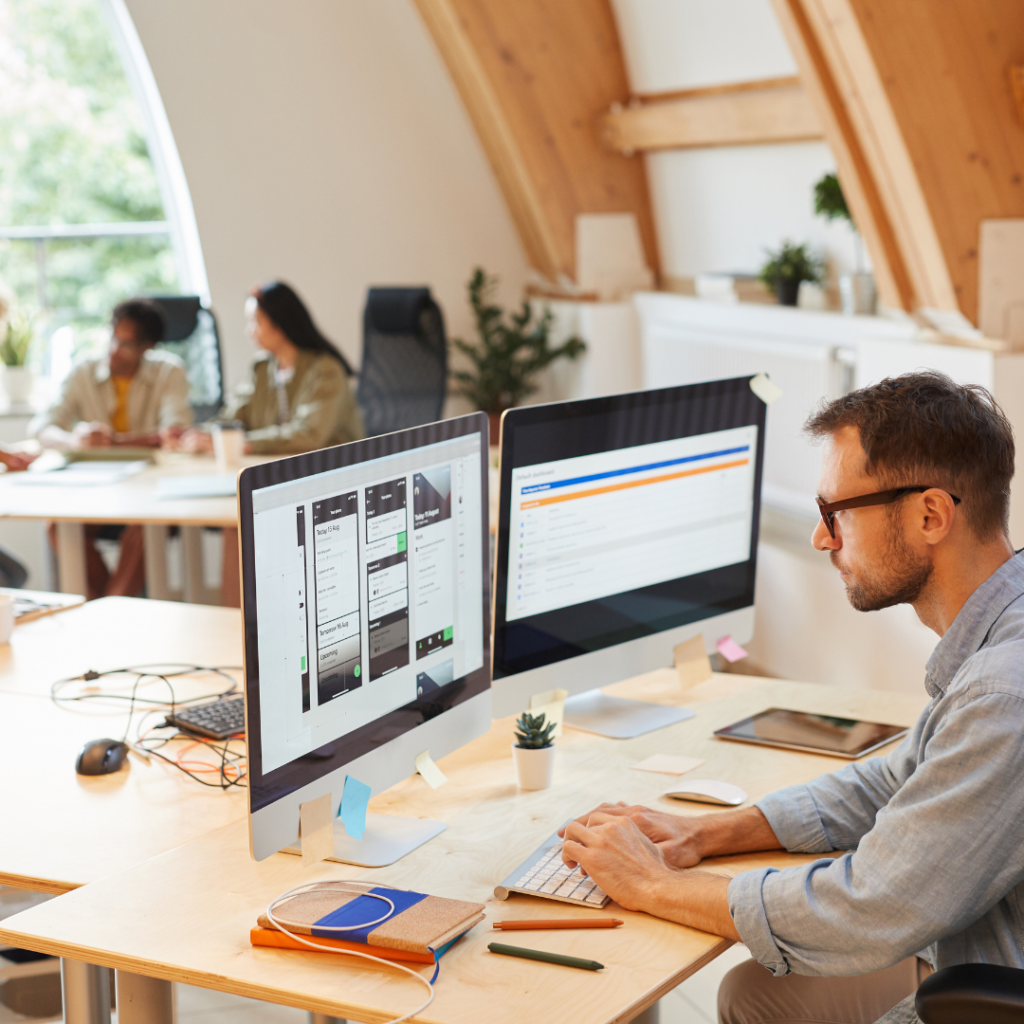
829, 509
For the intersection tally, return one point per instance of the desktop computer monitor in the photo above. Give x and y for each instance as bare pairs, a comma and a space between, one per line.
627, 525
365, 599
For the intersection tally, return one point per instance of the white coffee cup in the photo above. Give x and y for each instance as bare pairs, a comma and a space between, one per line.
6, 618
228, 445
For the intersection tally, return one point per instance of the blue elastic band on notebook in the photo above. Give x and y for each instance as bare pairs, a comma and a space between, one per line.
364, 908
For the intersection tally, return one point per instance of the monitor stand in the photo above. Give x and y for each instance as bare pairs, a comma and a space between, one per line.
387, 838
618, 718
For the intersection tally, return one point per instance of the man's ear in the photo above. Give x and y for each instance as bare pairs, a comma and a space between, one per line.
937, 512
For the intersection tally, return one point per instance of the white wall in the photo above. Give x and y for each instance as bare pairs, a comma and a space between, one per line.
719, 209
324, 143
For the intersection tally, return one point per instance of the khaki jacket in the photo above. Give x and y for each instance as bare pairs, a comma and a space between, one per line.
157, 398
320, 400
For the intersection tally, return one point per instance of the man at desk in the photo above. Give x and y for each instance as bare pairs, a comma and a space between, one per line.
128, 397
914, 500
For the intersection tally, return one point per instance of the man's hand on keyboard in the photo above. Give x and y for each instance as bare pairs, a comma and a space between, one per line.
675, 836
619, 857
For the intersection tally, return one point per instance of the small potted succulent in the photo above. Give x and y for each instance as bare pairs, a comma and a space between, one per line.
787, 267
534, 751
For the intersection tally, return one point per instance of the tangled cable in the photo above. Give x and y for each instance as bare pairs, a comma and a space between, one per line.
311, 887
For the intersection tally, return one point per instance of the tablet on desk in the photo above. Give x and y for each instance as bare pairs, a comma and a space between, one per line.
817, 734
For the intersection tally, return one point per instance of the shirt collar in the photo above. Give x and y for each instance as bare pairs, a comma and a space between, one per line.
143, 373
967, 634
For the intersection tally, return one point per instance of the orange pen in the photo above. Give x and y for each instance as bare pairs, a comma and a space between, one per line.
565, 922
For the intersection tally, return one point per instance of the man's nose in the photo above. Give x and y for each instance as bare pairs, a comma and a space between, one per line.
822, 540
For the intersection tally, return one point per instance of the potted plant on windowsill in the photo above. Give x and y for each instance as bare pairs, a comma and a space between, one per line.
508, 354
534, 751
16, 336
857, 290
786, 267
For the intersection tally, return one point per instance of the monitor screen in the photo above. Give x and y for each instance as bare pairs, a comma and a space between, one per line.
364, 570
625, 516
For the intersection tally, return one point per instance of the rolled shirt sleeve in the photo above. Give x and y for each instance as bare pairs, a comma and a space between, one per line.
933, 858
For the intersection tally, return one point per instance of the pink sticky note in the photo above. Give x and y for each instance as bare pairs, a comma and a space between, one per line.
729, 649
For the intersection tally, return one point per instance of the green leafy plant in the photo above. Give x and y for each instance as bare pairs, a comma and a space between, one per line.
791, 264
532, 732
509, 354
17, 340
829, 201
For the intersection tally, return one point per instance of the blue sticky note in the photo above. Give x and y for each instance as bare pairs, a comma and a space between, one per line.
354, 798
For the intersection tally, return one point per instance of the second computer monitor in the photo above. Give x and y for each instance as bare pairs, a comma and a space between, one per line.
627, 524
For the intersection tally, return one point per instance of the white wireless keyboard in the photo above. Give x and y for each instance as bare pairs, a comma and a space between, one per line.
544, 874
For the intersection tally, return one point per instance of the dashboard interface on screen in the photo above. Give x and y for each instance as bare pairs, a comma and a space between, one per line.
623, 517
368, 592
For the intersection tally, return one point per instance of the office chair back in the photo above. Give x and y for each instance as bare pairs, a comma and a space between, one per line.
192, 335
404, 372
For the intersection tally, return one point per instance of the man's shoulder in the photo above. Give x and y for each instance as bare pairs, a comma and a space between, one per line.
998, 666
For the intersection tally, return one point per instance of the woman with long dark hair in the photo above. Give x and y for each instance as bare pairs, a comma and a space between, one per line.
298, 397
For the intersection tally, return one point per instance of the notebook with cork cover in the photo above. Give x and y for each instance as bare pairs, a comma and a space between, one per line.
420, 929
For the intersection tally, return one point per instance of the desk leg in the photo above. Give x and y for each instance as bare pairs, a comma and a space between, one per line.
323, 1018
192, 557
86, 992
71, 557
142, 1000
155, 540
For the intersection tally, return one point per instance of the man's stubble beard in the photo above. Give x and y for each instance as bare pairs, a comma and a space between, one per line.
900, 580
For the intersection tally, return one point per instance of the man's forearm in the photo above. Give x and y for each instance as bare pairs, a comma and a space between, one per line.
698, 899
734, 832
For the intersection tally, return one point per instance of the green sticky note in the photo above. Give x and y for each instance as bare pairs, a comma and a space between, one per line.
303, 663
357, 671
354, 798
447, 633
401, 543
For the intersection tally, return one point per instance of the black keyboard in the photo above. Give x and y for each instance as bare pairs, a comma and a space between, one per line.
218, 719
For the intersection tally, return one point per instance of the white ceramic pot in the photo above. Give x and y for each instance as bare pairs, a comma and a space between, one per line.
534, 768
18, 383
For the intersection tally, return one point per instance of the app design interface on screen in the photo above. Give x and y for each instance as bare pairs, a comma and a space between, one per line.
368, 592
596, 525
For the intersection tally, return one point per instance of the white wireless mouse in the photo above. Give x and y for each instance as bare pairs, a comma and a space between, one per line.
707, 791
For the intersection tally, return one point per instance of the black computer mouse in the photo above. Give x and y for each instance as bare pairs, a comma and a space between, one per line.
101, 757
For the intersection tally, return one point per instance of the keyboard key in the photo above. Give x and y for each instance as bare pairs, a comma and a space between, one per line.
597, 896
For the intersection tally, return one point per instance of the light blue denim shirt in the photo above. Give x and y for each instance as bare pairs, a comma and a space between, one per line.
936, 828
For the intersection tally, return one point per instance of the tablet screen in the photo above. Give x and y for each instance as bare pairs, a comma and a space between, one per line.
845, 737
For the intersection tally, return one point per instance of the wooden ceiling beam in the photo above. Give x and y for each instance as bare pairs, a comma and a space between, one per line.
536, 76
744, 114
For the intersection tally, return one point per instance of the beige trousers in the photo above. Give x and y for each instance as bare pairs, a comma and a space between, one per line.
751, 994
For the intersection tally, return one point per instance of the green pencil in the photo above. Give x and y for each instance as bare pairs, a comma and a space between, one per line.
548, 958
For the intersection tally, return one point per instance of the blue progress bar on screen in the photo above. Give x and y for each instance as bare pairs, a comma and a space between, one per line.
554, 484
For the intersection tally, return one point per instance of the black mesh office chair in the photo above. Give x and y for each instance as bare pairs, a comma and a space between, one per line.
192, 336
972, 994
404, 372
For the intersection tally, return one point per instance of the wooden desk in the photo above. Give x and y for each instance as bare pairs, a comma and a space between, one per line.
61, 830
130, 501
200, 936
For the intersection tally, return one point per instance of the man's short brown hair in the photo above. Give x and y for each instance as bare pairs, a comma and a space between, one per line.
923, 428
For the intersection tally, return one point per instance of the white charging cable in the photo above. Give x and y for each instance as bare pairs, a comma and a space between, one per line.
311, 887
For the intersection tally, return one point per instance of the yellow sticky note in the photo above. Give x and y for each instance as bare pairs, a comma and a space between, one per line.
426, 767
765, 389
316, 829
551, 704
692, 663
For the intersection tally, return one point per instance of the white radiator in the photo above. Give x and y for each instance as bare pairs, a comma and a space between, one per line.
810, 356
